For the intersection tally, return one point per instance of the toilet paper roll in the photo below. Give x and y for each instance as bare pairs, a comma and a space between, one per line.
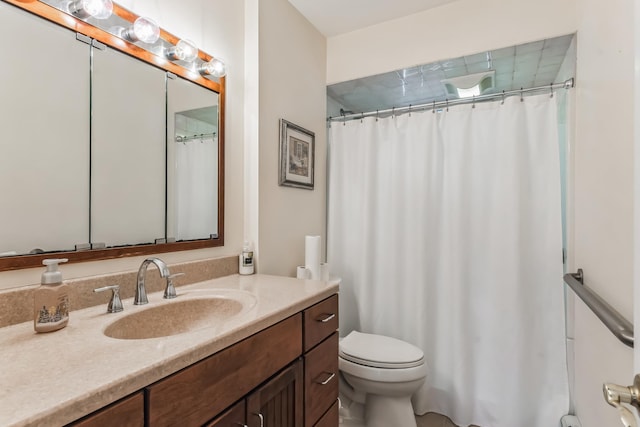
312, 256
324, 271
302, 272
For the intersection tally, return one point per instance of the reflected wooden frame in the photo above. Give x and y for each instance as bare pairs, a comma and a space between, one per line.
56, 16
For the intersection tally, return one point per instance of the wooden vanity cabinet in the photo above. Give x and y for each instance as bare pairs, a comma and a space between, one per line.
287, 373
203, 390
306, 392
232, 417
321, 363
128, 412
279, 402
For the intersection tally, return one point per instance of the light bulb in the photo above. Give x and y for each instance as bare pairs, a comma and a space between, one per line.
215, 68
184, 50
100, 9
143, 29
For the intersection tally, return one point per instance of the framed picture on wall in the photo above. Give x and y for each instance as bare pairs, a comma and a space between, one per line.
297, 155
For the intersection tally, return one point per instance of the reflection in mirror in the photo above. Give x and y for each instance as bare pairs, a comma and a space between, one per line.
127, 150
44, 153
84, 150
192, 113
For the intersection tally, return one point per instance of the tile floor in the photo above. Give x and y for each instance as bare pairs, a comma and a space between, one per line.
427, 420
434, 420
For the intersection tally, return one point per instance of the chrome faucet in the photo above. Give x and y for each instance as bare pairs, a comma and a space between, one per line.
141, 292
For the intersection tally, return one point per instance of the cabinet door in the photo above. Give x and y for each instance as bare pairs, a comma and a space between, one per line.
128, 412
233, 417
278, 403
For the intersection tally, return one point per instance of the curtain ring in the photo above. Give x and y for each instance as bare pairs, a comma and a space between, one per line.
447, 100
473, 104
393, 112
433, 109
377, 115
551, 89
409, 110
502, 103
521, 94
361, 117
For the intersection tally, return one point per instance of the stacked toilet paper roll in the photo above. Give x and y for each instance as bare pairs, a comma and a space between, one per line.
312, 249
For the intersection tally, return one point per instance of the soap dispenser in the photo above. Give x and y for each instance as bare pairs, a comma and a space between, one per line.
51, 299
246, 265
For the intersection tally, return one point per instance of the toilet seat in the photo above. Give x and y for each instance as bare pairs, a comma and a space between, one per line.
379, 351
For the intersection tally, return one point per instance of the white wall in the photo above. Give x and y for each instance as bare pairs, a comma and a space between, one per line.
601, 196
449, 31
217, 27
292, 87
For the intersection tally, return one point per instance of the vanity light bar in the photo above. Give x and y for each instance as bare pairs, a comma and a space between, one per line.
109, 23
83, 9
143, 29
215, 67
184, 50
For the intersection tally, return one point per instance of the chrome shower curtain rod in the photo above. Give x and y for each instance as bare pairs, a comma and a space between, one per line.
567, 84
180, 138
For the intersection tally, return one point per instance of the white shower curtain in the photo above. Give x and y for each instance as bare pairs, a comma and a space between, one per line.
446, 231
196, 203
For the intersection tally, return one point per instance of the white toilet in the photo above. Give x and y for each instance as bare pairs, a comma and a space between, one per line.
379, 375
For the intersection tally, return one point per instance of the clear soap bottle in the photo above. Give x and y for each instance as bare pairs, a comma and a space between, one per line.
51, 299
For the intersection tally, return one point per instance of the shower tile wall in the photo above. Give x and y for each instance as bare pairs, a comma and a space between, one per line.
521, 66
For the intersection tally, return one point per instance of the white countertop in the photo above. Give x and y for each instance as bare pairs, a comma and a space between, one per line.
55, 378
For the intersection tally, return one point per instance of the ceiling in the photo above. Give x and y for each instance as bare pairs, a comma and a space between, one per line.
334, 17
522, 66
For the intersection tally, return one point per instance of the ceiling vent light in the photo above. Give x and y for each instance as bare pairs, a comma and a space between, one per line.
470, 85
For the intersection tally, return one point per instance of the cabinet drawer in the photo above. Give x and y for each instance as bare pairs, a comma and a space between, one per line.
198, 393
320, 379
320, 321
128, 412
330, 418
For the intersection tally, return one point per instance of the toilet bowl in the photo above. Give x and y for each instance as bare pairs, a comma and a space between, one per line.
379, 375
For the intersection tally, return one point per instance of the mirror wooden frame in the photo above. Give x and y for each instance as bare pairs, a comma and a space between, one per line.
54, 15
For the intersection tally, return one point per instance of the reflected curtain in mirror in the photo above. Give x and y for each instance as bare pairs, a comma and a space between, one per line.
192, 170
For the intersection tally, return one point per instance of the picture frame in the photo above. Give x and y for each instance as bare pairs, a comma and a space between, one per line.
297, 156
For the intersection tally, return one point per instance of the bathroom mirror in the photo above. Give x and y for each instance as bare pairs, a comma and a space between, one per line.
44, 166
192, 152
89, 168
127, 192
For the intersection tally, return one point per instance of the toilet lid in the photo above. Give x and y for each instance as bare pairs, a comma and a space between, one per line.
379, 351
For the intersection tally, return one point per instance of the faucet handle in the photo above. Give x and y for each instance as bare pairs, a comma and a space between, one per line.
170, 290
115, 303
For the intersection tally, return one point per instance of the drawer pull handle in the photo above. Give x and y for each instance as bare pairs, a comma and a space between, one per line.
259, 415
326, 319
325, 382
